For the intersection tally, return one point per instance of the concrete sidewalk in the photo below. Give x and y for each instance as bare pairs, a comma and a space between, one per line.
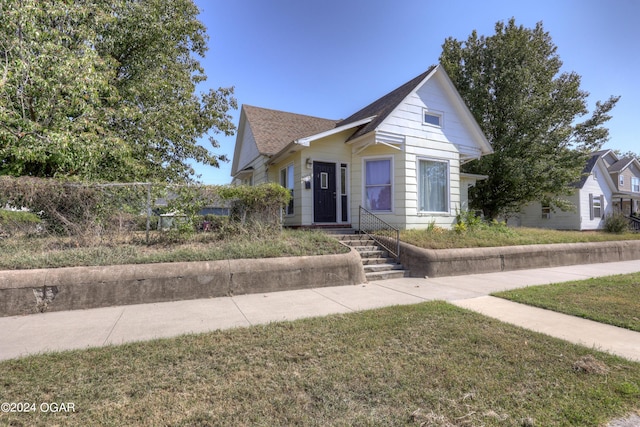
56, 331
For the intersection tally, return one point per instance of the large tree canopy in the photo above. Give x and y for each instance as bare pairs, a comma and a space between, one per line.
106, 90
528, 109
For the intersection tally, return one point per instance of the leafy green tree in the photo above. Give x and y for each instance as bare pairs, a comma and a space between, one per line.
106, 90
528, 109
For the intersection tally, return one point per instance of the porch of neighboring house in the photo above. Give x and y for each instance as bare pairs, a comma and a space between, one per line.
629, 205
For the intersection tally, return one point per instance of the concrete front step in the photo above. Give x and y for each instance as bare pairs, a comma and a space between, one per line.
379, 260
339, 231
382, 267
377, 263
384, 275
366, 248
384, 271
378, 253
358, 243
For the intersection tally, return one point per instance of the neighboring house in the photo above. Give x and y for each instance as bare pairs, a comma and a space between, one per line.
399, 157
608, 185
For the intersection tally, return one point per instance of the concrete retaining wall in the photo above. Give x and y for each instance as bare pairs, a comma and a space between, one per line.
451, 262
32, 291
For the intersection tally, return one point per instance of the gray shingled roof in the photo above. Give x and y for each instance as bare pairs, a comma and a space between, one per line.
591, 163
620, 165
273, 129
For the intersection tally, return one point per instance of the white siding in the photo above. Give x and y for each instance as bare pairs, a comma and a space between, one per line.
580, 218
596, 187
531, 216
407, 119
427, 142
248, 148
259, 171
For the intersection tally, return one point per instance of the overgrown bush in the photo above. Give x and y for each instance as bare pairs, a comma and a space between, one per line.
616, 223
468, 221
64, 208
18, 222
262, 203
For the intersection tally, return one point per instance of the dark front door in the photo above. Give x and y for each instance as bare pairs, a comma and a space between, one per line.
324, 192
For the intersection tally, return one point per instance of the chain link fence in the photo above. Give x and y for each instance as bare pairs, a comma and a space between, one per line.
139, 212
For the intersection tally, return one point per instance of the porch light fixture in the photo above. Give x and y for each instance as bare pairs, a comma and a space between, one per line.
309, 163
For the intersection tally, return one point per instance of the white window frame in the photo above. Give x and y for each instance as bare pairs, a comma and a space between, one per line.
289, 209
635, 185
546, 212
447, 183
596, 202
434, 113
621, 180
364, 181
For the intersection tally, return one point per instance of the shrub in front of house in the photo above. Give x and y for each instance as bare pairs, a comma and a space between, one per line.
616, 223
261, 203
18, 222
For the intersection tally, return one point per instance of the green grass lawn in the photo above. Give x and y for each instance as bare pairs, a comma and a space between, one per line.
614, 300
430, 364
491, 236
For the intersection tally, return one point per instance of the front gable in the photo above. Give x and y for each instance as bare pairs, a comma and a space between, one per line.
246, 149
435, 114
627, 175
429, 109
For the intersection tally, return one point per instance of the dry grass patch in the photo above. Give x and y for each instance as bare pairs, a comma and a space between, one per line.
38, 252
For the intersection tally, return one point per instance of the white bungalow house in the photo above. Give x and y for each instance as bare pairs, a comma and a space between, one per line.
398, 157
608, 185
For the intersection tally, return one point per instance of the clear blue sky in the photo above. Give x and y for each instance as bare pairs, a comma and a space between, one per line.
330, 58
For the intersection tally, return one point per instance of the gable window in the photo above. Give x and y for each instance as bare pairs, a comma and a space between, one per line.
635, 185
378, 184
286, 180
432, 118
433, 186
621, 180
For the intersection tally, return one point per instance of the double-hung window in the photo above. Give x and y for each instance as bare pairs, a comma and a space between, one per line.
635, 185
595, 202
433, 186
378, 184
286, 180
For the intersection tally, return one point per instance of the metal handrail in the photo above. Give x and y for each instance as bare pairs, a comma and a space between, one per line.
385, 234
634, 223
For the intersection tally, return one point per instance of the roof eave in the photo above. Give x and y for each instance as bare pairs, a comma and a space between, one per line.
307, 140
301, 143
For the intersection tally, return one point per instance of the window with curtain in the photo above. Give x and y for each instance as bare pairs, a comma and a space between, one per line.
378, 184
433, 186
